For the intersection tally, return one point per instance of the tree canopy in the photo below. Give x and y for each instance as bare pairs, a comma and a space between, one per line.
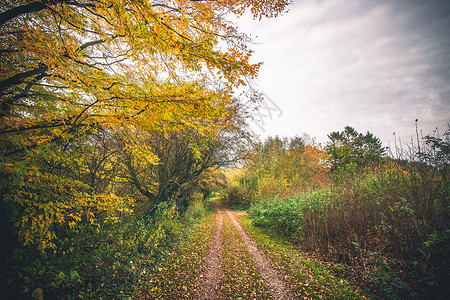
145, 64
349, 146
78, 76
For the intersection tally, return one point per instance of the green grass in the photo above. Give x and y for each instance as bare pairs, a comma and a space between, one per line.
307, 278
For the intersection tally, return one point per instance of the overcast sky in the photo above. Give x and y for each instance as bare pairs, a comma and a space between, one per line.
374, 65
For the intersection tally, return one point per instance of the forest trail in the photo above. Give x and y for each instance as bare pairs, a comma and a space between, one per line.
209, 282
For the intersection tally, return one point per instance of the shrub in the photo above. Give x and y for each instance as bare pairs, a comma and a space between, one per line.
196, 209
397, 212
237, 196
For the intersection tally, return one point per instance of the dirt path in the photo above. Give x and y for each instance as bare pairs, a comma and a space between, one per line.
207, 282
279, 289
212, 271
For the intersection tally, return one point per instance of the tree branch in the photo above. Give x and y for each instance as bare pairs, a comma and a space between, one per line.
20, 10
17, 79
35, 7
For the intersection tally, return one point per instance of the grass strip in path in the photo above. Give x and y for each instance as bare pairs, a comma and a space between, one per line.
308, 279
278, 288
241, 279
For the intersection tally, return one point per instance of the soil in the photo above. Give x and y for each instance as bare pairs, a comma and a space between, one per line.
211, 272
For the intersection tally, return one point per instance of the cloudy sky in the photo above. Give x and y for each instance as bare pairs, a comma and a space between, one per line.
374, 65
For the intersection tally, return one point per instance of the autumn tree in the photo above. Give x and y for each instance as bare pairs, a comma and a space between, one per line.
72, 68
182, 159
285, 166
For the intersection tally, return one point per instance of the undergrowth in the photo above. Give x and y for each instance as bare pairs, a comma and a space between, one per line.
174, 278
391, 224
105, 262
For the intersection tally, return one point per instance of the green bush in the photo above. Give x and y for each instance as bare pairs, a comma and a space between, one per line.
283, 216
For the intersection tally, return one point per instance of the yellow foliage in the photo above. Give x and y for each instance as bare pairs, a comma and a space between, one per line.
71, 67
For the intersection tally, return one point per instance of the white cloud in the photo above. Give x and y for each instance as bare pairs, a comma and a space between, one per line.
374, 65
